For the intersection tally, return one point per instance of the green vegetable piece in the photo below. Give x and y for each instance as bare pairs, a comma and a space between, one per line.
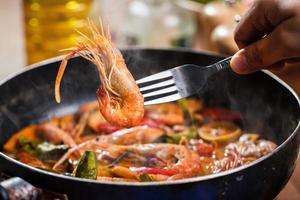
27, 145
145, 178
175, 139
193, 133
183, 104
204, 1
49, 151
87, 166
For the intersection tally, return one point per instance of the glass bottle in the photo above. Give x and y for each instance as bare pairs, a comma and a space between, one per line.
50, 26
156, 23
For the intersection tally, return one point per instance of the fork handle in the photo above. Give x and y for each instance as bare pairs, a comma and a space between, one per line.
225, 63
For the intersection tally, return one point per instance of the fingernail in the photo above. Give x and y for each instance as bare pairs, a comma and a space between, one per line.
239, 63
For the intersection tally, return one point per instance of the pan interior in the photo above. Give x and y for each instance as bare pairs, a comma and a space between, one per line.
267, 106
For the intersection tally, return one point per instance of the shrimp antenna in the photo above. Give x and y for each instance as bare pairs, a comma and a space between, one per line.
98, 49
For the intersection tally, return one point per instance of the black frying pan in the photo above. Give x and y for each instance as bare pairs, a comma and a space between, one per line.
267, 104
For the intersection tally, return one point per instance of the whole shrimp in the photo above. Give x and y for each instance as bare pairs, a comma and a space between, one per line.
168, 161
120, 100
181, 162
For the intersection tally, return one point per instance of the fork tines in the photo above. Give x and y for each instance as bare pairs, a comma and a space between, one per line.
159, 88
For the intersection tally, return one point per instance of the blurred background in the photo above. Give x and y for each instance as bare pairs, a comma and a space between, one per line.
34, 30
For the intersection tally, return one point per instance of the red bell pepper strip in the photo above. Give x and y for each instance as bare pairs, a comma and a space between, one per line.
107, 128
146, 170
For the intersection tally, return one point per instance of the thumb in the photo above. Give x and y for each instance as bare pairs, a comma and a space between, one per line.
267, 52
240, 65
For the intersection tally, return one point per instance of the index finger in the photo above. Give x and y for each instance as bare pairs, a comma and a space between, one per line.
261, 19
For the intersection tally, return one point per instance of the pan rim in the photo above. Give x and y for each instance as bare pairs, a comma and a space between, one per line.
143, 184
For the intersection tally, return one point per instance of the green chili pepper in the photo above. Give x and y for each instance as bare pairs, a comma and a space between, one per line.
145, 178
87, 166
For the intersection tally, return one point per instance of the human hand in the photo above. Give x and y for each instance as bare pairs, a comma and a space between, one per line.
268, 36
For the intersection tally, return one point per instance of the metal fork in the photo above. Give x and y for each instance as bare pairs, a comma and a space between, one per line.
178, 82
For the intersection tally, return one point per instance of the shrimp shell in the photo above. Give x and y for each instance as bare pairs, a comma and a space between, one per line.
120, 100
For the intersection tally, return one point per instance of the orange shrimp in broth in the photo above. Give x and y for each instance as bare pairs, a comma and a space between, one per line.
120, 100
85, 145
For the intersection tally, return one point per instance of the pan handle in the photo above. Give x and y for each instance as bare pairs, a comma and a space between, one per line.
16, 188
3, 193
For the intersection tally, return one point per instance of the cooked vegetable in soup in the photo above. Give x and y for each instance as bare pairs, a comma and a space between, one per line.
173, 141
